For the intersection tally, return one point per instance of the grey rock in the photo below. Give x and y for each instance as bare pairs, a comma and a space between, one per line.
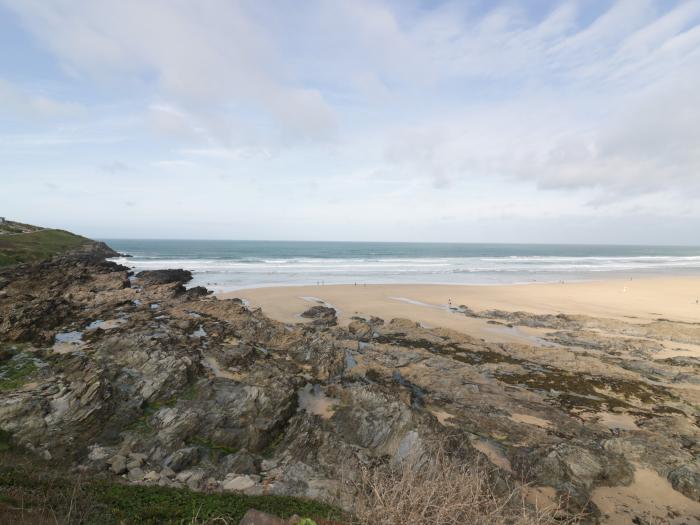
238, 483
135, 474
118, 464
151, 277
242, 462
152, 476
321, 315
182, 458
686, 480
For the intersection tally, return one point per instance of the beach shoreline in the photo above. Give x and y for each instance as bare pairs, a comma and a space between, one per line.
632, 300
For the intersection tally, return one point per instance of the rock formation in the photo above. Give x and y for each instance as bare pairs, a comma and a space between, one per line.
137, 377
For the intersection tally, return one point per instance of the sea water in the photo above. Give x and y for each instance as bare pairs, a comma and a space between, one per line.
231, 265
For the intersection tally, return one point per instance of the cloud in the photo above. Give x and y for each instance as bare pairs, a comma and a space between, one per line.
470, 110
650, 146
204, 58
55, 139
114, 167
167, 120
174, 164
22, 103
635, 134
227, 153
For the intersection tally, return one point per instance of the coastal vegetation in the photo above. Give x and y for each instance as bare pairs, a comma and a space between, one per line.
130, 398
36, 245
34, 496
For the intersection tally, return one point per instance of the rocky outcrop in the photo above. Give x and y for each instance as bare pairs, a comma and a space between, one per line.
150, 277
142, 379
321, 315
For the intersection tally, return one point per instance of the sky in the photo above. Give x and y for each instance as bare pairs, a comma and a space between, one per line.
574, 121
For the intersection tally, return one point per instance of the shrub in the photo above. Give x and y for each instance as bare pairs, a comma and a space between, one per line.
437, 488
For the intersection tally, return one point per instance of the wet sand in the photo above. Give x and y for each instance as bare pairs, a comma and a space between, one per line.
637, 300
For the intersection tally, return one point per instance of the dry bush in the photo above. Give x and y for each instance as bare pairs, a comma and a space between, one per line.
56, 503
437, 488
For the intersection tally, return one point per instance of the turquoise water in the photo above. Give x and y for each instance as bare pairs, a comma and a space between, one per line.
229, 265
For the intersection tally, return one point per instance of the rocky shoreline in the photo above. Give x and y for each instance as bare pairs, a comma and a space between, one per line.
138, 377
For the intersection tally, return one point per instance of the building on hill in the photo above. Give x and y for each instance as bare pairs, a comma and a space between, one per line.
2, 220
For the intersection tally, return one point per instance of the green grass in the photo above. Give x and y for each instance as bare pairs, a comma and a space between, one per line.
107, 503
211, 447
16, 371
16, 227
5, 441
36, 246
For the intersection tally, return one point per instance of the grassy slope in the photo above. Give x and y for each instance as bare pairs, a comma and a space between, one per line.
17, 227
91, 502
36, 495
36, 246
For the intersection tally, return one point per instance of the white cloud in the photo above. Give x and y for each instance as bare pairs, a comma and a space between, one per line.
625, 134
473, 111
229, 154
114, 167
24, 104
201, 56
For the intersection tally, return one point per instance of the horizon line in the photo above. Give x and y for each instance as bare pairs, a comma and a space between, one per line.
501, 243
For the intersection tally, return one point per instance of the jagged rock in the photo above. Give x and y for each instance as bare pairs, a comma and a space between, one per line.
196, 479
361, 329
152, 476
135, 474
135, 461
118, 464
686, 480
321, 315
196, 292
151, 277
238, 483
100, 457
242, 462
198, 370
181, 459
566, 463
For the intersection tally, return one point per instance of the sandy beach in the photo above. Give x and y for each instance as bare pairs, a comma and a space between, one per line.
617, 340
631, 300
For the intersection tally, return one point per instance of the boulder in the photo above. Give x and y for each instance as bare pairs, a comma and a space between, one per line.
321, 315
242, 462
182, 458
118, 464
136, 474
153, 277
238, 483
686, 480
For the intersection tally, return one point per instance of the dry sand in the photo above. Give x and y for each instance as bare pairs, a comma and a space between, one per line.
637, 300
640, 300
650, 496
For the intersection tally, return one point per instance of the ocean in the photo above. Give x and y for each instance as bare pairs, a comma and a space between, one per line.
232, 265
